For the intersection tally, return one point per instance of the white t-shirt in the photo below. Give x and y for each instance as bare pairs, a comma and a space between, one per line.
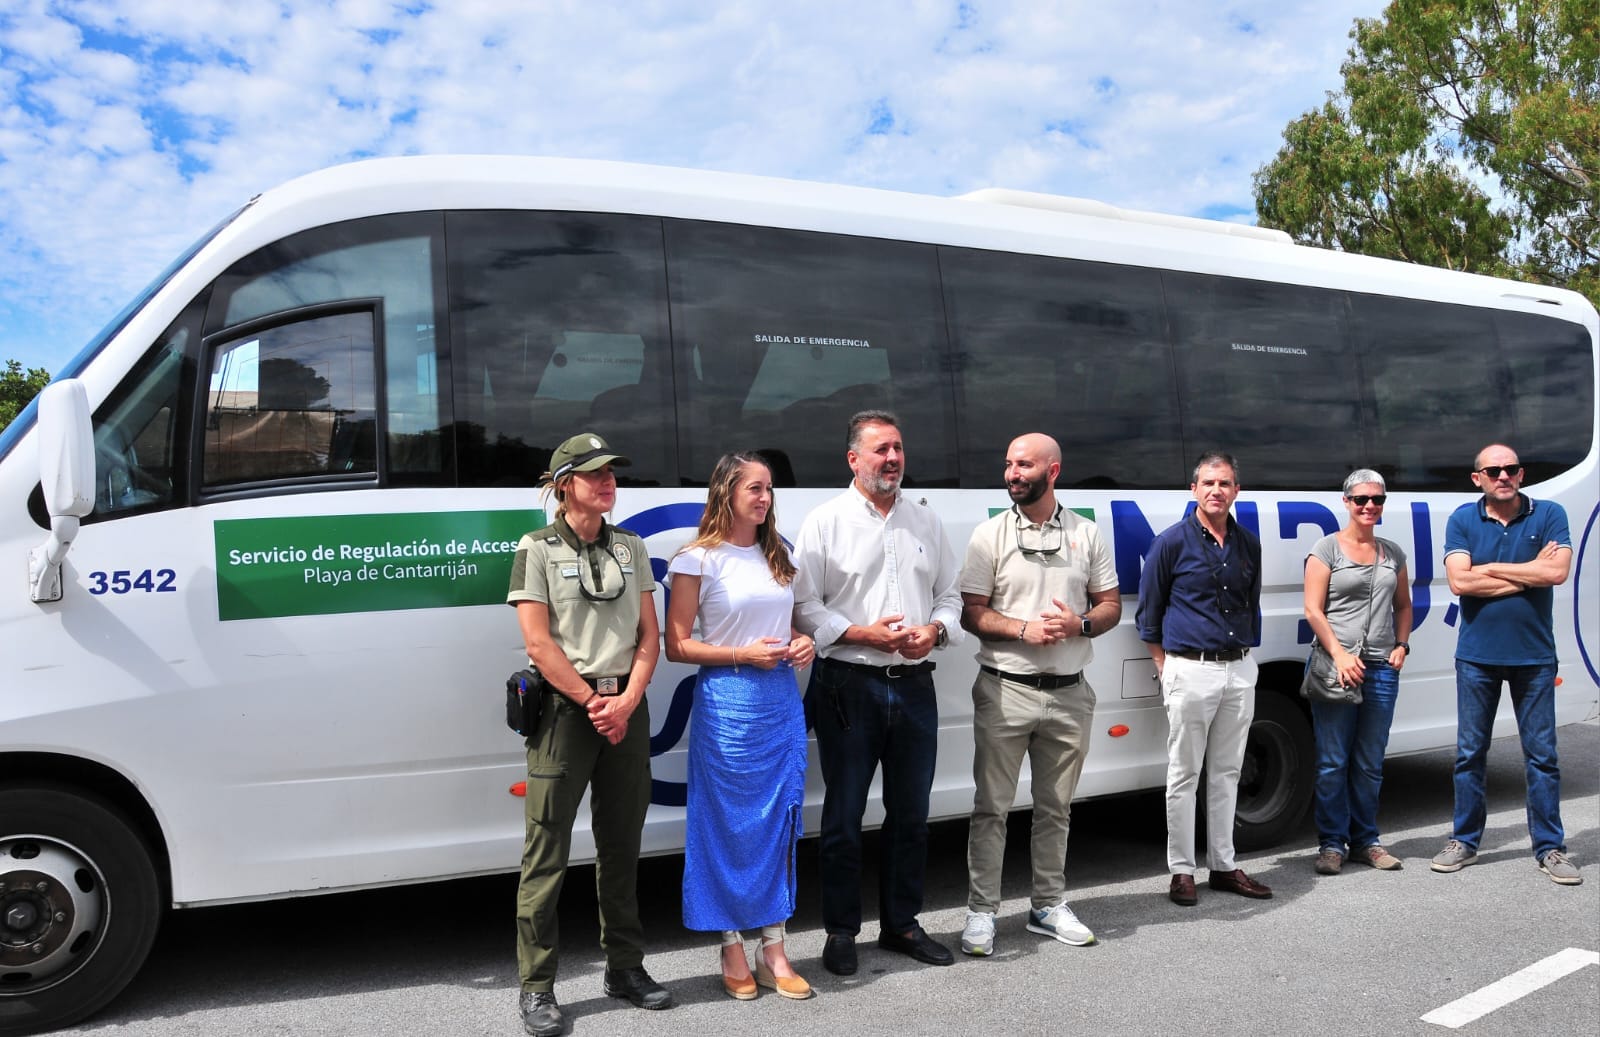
739, 599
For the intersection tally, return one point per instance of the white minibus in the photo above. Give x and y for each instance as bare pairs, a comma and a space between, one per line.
267, 516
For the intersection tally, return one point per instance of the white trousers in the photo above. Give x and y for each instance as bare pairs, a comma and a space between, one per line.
1209, 709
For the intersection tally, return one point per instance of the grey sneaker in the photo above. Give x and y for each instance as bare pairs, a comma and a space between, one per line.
1454, 857
977, 939
1560, 868
1329, 862
1059, 922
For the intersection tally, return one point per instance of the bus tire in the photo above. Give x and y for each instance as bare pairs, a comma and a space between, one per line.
80, 902
1276, 781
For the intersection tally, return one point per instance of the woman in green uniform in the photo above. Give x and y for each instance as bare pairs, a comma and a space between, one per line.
582, 590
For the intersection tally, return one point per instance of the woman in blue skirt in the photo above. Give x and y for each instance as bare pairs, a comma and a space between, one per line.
729, 612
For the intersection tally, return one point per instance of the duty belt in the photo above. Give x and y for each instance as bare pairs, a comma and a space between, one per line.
608, 685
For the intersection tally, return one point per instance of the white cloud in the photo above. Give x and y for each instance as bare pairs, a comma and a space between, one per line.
129, 126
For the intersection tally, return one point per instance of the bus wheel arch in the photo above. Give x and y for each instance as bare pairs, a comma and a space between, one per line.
80, 904
1280, 762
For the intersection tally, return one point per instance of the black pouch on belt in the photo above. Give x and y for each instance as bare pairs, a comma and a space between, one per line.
524, 701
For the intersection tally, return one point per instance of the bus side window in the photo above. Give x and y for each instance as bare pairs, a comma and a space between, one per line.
1074, 349
1435, 388
559, 325
292, 401
1267, 371
1549, 363
397, 259
781, 335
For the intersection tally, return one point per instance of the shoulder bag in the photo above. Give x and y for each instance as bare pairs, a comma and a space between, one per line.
1321, 682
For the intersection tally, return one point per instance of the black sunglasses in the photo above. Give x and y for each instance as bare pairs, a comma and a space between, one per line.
1045, 547
1493, 471
1360, 500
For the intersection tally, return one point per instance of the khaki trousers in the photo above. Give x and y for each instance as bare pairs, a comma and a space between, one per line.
1051, 728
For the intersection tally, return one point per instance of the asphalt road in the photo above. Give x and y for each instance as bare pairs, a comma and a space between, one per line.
1364, 952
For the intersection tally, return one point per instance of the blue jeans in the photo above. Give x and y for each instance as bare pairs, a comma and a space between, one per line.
861, 719
1533, 697
1351, 741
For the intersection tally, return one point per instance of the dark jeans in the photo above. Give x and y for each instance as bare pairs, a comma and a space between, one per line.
862, 719
1533, 698
1351, 741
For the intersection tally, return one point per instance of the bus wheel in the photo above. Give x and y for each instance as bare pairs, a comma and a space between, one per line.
1275, 784
79, 906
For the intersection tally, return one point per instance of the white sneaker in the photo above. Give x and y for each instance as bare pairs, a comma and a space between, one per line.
977, 939
1061, 923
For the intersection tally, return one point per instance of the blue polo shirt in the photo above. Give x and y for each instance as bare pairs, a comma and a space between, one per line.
1518, 629
1198, 595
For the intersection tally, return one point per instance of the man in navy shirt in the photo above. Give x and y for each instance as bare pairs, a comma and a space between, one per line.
1199, 607
1503, 554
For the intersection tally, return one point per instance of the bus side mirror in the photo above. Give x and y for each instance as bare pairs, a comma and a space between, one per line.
66, 475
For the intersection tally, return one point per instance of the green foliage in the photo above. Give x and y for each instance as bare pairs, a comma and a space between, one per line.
1467, 136
16, 389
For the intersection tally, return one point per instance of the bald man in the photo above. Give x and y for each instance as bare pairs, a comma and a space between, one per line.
1037, 584
1505, 553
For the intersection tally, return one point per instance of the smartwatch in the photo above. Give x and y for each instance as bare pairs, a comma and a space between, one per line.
1088, 630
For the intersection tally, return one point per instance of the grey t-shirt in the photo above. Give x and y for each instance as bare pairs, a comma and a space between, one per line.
1348, 587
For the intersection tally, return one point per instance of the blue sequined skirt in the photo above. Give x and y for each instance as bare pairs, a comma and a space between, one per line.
747, 774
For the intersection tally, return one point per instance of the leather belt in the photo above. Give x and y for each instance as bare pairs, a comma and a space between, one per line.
1226, 655
607, 685
888, 673
1042, 681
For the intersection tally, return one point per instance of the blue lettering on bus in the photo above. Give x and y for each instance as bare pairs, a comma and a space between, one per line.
1132, 536
1291, 516
1422, 566
672, 793
647, 524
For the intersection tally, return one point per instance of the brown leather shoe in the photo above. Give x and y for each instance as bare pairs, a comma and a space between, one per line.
1182, 891
1236, 881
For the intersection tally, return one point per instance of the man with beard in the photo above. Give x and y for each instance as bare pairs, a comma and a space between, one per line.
1199, 615
1038, 583
875, 588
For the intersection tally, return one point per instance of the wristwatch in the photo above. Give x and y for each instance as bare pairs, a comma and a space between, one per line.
1088, 629
942, 638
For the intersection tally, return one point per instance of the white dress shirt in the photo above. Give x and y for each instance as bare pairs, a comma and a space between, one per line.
856, 566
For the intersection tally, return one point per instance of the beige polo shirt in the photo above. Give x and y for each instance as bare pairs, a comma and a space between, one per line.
598, 637
1021, 585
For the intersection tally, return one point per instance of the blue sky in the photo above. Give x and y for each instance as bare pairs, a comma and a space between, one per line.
128, 127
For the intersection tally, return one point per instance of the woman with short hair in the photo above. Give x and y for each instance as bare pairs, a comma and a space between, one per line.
1358, 604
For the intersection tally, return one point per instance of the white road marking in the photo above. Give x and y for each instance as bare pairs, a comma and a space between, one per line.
1502, 992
